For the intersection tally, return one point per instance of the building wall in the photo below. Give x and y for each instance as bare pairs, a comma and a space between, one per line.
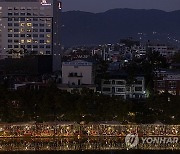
33, 25
77, 70
120, 87
167, 83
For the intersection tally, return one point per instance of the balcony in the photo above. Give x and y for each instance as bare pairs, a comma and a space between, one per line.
75, 75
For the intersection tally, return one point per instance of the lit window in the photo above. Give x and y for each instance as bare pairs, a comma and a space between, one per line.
22, 30
28, 30
10, 8
22, 24
23, 8
48, 41
22, 41
48, 35
29, 24
10, 30
29, 41
49, 24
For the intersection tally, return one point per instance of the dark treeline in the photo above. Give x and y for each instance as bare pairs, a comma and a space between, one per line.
51, 104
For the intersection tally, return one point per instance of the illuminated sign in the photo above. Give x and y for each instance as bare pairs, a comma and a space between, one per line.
44, 2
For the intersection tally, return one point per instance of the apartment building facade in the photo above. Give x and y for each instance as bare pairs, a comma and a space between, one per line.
30, 27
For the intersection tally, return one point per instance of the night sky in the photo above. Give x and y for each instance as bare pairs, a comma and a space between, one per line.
103, 5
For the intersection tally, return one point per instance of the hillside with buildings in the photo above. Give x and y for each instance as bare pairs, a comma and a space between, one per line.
83, 28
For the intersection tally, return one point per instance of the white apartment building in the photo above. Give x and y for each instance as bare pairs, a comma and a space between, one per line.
76, 75
31, 26
120, 87
77, 72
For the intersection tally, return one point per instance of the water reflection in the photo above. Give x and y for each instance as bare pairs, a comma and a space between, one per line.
75, 144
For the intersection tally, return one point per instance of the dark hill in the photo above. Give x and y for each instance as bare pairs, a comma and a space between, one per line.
83, 28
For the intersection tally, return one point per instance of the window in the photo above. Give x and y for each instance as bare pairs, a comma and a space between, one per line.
9, 46
28, 19
28, 30
138, 88
138, 82
35, 41
48, 24
48, 52
22, 35
16, 35
16, 8
105, 89
29, 8
35, 19
23, 46
16, 41
48, 46
9, 41
9, 35
41, 41
16, 30
22, 30
10, 8
28, 46
48, 30
28, 14
23, 14
172, 84
120, 82
48, 41
16, 46
16, 19
29, 24
35, 25
48, 35
107, 82
41, 46
22, 19
9, 19
41, 35
10, 14
16, 24
119, 89
35, 30
160, 84
28, 35
22, 8
35, 35
41, 30
10, 24
22, 41
16, 13
41, 25
35, 46
22, 24
29, 40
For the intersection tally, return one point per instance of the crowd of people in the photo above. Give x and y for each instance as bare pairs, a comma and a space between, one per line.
72, 129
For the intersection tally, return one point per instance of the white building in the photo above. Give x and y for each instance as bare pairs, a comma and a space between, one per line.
120, 87
77, 74
30, 26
